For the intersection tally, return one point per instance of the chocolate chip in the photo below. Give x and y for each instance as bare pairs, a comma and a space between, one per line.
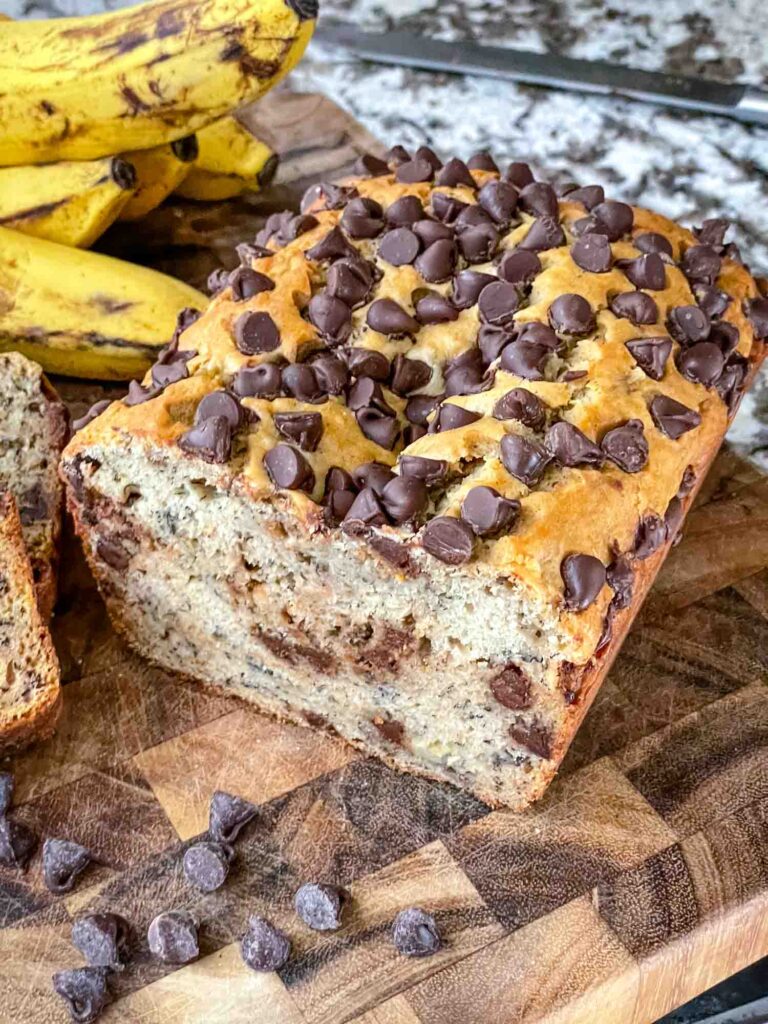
378, 427
572, 314
491, 342
399, 247
712, 302
364, 512
338, 479
652, 241
370, 166
397, 155
263, 947
415, 933
172, 936
261, 381
437, 262
635, 306
626, 446
701, 263
404, 499
687, 483
651, 533
320, 906
650, 354
482, 161
351, 281
366, 391
448, 539
570, 375
731, 381
365, 362
589, 196
446, 208
331, 317
330, 372
571, 447
583, 576
521, 404
302, 428
616, 218
430, 231
465, 375
418, 408
712, 231
534, 736
6, 792
102, 939
17, 843
672, 417
256, 333
511, 687
688, 324
363, 218
165, 374
756, 311
409, 375
498, 303
433, 308
431, 471
450, 417
467, 286
337, 506
539, 199
414, 171
702, 363
388, 317
84, 989
210, 440
520, 174
499, 200
246, 282
524, 459
535, 333
138, 394
525, 359
332, 197
478, 244
544, 233
488, 513
63, 861
247, 252
645, 271
95, 410
405, 211
219, 403
288, 469
301, 381
592, 253
620, 578
206, 865
332, 246
519, 267
455, 172
673, 519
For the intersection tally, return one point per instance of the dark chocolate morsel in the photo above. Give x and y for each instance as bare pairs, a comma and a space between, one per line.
478, 244
672, 417
331, 316
256, 332
519, 266
539, 199
626, 446
365, 362
652, 241
370, 166
589, 196
329, 196
378, 427
511, 687
288, 469
712, 231
431, 471
388, 317
525, 359
650, 354
364, 512
84, 990
418, 408
219, 403
397, 155
404, 212
138, 394
17, 843
437, 262
102, 939
524, 459
592, 253
491, 342
646, 271
414, 171
374, 475
433, 308
172, 936
228, 815
455, 172
350, 280
498, 303
756, 311
264, 947
448, 539
544, 233
301, 381
583, 576
702, 363
616, 218
445, 208
63, 862
400, 247
95, 410
482, 161
701, 263
415, 933
430, 231
450, 417
210, 440
467, 286
572, 314
571, 447
635, 306
534, 736
688, 324
651, 533
404, 499
730, 384
499, 200
261, 381
487, 512
363, 218
206, 865
246, 282
673, 519
409, 375
621, 579
519, 173
521, 404
320, 906
302, 428
332, 246
330, 372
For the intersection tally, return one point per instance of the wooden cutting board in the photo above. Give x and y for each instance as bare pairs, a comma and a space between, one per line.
639, 881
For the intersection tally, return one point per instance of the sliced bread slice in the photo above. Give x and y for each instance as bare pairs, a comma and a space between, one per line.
33, 430
29, 670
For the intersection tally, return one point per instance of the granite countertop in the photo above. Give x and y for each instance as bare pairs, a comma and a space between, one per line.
684, 165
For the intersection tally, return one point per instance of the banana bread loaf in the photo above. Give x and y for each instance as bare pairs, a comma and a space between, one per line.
411, 474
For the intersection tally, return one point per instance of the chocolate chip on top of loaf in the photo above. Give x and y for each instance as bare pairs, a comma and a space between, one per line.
465, 379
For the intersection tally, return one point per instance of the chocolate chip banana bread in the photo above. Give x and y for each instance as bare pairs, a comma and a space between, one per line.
33, 431
29, 671
412, 472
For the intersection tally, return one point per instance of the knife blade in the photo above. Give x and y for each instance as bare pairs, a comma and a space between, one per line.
742, 102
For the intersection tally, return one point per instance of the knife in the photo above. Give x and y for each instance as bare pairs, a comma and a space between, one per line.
742, 102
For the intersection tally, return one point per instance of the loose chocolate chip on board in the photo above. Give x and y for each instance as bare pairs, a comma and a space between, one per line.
467, 287
6, 792
17, 843
672, 417
404, 499
488, 513
302, 428
264, 947
572, 314
400, 247
255, 333
621, 579
261, 381
388, 317
589, 196
320, 906
701, 263
228, 815
544, 233
332, 246
448, 539
688, 324
702, 363
63, 862
415, 933
571, 447
534, 736
511, 687
451, 416
519, 173
206, 865
539, 199
524, 459
246, 282
646, 271
455, 172
592, 253
210, 440
405, 211
756, 311
437, 262
637, 307
431, 471
330, 372
370, 166
626, 446
432, 308
650, 354
363, 218
172, 936
616, 218
651, 533
84, 990
219, 403
652, 241
499, 200
301, 381
583, 576
521, 404
482, 161
102, 939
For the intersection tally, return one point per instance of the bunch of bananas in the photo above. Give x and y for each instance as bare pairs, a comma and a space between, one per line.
102, 118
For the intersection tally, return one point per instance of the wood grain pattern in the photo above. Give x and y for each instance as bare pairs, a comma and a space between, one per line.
641, 878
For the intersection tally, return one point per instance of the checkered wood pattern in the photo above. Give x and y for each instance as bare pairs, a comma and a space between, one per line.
640, 879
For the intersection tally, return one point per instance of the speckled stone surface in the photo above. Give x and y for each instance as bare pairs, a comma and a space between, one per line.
684, 165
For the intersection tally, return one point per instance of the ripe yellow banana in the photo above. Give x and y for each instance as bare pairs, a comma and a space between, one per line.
71, 202
81, 314
81, 88
158, 172
230, 161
